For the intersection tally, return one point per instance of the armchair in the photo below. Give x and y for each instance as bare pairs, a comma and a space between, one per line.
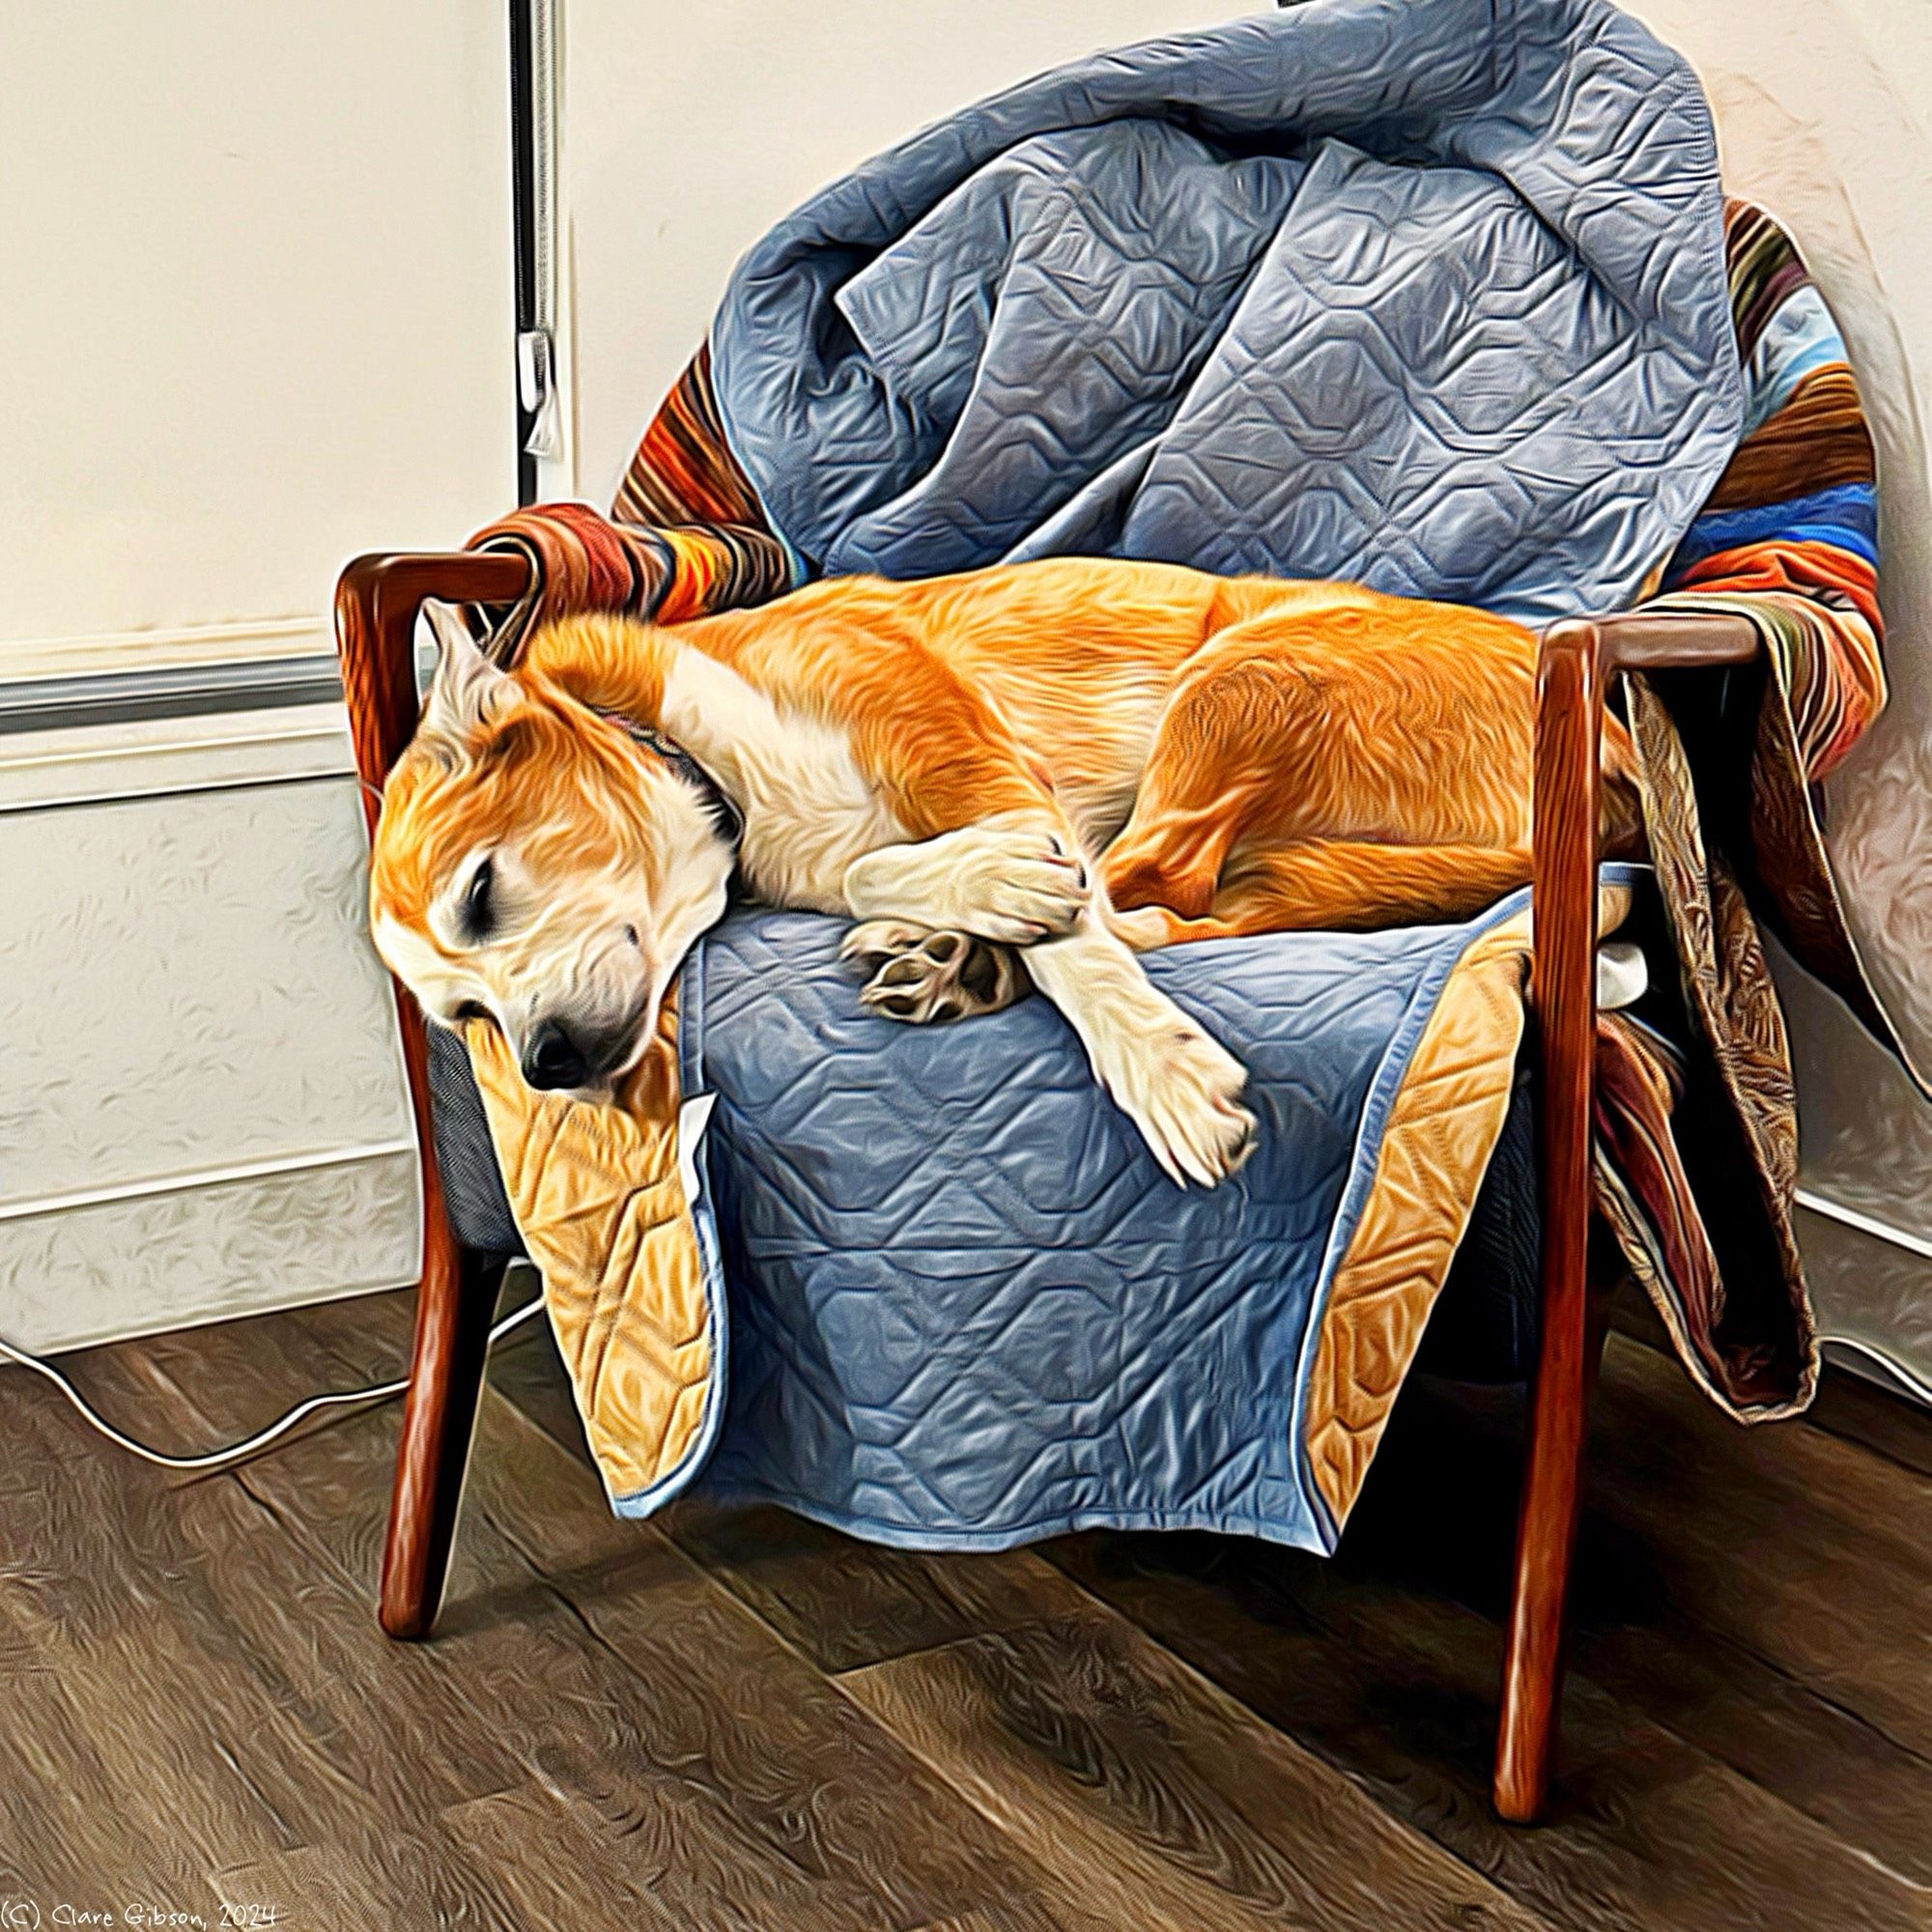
378, 598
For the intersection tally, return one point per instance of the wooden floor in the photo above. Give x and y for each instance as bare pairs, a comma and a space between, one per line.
743, 1722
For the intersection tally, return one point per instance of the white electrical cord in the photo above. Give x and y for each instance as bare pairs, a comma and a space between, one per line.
217, 1458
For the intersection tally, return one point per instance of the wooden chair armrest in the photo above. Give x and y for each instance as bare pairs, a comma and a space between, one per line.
377, 600
1572, 668
1665, 640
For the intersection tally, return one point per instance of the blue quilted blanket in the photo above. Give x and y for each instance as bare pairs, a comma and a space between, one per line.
966, 1309
1428, 297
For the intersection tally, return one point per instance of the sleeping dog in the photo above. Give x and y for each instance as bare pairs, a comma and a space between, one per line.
1021, 777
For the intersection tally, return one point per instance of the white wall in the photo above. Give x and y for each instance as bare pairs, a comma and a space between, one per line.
688, 131
259, 317
258, 264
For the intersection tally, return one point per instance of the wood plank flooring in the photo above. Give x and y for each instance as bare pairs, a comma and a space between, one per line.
741, 1721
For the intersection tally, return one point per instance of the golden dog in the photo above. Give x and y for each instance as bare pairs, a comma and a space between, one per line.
1077, 758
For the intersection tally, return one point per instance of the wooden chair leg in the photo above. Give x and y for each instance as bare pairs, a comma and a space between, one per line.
1547, 1534
1576, 657
1564, 994
455, 1301
454, 1307
376, 605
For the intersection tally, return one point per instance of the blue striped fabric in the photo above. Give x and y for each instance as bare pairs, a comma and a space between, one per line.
1846, 516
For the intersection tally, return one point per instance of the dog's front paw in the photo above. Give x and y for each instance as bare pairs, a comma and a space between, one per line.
1183, 1093
1013, 884
929, 978
1020, 885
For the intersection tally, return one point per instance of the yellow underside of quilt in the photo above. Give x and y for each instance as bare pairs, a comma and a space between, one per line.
600, 1203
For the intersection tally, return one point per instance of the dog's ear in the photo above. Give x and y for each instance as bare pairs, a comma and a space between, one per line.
466, 690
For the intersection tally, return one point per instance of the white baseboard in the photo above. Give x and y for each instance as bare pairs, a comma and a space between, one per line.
1870, 1285
209, 1251
167, 757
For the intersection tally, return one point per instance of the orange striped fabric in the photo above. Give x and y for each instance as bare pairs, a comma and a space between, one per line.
1788, 537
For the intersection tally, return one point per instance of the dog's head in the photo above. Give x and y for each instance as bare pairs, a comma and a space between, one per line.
536, 865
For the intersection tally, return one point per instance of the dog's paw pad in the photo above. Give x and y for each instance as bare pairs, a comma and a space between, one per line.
928, 978
874, 941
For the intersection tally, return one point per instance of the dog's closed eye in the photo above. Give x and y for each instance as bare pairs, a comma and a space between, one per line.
478, 912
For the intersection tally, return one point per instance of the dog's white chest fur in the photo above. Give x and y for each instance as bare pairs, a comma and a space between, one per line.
809, 808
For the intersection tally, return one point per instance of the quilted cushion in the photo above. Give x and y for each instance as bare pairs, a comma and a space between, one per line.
965, 1307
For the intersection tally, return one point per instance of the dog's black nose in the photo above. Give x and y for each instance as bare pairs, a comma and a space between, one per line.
552, 1058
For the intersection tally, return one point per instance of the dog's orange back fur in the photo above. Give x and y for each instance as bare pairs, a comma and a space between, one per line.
1311, 753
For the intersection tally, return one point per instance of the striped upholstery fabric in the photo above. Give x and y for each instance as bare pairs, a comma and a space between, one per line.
1789, 536
685, 537
684, 471
1698, 1145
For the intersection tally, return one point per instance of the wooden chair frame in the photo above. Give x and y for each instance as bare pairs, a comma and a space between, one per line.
377, 603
